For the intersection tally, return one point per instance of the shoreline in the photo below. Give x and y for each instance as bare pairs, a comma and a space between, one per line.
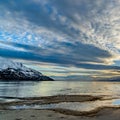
52, 100
58, 113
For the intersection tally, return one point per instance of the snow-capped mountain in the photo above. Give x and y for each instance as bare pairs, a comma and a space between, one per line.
10, 70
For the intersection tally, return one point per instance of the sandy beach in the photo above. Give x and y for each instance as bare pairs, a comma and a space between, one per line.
99, 113
104, 114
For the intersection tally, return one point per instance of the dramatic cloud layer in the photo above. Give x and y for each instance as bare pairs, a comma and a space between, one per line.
83, 34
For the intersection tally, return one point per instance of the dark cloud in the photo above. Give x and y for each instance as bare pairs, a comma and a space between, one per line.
82, 20
37, 13
77, 57
42, 13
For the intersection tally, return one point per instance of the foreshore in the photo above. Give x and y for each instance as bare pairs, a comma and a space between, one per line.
100, 113
104, 114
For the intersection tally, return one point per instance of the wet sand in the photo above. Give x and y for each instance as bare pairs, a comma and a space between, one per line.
104, 114
101, 113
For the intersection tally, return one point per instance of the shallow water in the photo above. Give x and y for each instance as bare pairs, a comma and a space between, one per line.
11, 91
75, 106
38, 89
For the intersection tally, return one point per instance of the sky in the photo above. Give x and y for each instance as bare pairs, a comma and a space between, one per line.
64, 39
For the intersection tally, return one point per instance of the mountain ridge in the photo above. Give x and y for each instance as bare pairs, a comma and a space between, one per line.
10, 70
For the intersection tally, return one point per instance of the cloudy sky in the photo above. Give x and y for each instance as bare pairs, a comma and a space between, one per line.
65, 39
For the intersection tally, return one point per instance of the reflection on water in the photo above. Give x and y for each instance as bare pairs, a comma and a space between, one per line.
75, 106
5, 100
11, 91
116, 102
37, 89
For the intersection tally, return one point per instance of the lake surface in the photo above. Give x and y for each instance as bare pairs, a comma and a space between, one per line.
51, 88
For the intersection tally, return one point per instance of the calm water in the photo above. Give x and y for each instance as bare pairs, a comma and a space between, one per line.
38, 89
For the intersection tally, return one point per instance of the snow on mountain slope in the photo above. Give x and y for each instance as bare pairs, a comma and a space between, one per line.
10, 70
5, 63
